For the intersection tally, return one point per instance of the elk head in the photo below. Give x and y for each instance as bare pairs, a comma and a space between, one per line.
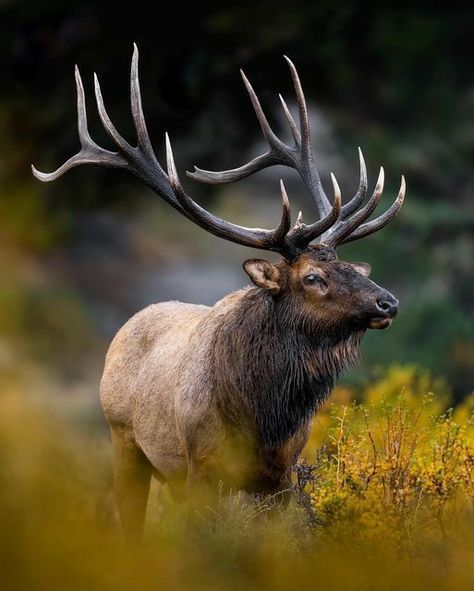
335, 292
335, 296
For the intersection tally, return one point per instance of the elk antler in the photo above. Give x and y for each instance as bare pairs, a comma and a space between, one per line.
141, 162
349, 226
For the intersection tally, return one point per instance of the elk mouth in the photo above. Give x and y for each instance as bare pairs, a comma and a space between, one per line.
380, 323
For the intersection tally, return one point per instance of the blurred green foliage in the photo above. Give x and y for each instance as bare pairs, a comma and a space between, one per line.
398, 80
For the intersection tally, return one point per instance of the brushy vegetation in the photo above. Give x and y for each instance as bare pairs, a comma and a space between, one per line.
384, 498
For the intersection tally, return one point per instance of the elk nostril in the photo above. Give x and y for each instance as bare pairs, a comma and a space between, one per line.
384, 305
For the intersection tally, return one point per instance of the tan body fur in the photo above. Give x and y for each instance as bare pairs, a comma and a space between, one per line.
158, 400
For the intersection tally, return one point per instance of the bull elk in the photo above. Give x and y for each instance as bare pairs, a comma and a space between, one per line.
196, 394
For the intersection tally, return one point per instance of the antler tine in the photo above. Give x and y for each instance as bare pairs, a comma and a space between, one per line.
90, 152
171, 165
303, 110
106, 121
307, 167
339, 232
212, 177
137, 108
359, 197
274, 240
267, 131
381, 221
84, 136
277, 150
302, 235
284, 226
291, 122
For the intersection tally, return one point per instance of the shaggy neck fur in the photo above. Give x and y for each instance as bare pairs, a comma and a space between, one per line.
276, 366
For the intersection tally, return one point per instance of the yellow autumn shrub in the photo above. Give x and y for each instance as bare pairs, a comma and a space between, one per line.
383, 500
395, 465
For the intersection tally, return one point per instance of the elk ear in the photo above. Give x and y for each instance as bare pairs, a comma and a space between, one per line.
362, 268
263, 274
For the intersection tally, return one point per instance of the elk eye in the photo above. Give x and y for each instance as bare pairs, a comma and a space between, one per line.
313, 279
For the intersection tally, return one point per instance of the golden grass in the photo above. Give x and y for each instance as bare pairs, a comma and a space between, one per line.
386, 502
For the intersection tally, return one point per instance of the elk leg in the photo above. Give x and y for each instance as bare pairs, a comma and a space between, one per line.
200, 491
132, 475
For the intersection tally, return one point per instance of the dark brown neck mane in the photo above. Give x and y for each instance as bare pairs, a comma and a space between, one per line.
275, 366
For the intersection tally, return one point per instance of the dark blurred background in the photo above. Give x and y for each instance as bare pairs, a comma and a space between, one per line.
81, 255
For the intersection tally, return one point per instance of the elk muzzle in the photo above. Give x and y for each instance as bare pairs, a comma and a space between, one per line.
385, 310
